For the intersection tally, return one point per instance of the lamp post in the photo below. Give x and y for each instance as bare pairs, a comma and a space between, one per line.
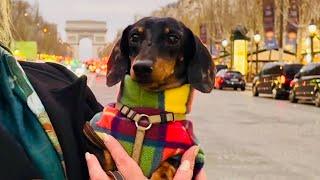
257, 39
312, 28
224, 44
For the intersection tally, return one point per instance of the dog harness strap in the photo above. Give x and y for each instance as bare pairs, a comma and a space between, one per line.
162, 118
141, 130
138, 143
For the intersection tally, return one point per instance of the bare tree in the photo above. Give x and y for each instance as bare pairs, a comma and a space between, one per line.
223, 15
28, 25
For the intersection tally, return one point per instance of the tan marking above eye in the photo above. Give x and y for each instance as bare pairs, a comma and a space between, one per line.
167, 30
140, 29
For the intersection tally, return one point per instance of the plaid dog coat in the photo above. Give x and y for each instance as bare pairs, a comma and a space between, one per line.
163, 141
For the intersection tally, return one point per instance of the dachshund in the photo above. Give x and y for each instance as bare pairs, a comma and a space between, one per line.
161, 54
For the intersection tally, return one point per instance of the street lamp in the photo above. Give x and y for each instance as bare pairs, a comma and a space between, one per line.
224, 44
257, 39
312, 28
45, 30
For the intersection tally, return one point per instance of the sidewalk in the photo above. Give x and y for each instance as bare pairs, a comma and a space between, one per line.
91, 79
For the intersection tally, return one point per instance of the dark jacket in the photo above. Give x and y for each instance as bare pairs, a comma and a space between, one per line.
69, 104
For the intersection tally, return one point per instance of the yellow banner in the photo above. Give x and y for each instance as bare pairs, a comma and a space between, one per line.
240, 58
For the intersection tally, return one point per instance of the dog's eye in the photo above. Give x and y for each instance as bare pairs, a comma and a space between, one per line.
135, 38
172, 39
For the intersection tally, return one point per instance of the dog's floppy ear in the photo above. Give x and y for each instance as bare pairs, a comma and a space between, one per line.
119, 61
200, 65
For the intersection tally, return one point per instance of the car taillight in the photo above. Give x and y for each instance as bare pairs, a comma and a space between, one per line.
292, 84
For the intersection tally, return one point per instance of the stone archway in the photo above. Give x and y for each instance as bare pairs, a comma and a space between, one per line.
94, 30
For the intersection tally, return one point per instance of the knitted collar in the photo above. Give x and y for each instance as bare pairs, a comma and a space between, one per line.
176, 100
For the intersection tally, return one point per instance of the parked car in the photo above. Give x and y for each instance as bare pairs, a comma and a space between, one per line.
229, 79
221, 67
275, 79
306, 85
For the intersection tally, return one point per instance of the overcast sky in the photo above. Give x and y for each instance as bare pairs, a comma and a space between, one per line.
117, 13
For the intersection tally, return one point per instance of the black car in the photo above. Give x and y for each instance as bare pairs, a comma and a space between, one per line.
229, 79
275, 79
306, 85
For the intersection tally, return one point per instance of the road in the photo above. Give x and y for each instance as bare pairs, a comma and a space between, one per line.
250, 138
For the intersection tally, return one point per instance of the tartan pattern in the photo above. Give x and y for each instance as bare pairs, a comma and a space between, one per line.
162, 142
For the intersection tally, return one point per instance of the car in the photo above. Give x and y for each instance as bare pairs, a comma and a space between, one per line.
275, 79
306, 85
229, 79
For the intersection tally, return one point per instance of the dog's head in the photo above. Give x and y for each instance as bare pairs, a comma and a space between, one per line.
161, 53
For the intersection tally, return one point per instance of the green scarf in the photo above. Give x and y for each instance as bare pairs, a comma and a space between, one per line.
23, 115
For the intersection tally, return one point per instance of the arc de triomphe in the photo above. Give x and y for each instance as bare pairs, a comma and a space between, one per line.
94, 30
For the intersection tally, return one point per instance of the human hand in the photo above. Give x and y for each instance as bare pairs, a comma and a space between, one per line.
130, 170
185, 170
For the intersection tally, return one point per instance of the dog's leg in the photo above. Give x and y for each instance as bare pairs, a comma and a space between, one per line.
108, 164
102, 153
166, 171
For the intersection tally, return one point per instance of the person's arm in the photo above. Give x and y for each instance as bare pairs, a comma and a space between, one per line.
129, 169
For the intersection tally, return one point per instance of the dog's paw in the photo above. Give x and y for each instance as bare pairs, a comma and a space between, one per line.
166, 171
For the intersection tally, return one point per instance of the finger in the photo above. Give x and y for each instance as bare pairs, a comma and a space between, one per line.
94, 168
125, 164
185, 170
202, 175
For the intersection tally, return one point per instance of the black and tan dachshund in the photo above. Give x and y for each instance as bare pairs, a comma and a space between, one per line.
159, 54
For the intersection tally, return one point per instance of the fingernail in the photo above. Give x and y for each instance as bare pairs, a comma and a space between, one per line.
88, 156
185, 165
196, 151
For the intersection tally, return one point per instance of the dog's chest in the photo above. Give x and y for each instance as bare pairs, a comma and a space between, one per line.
161, 142
164, 140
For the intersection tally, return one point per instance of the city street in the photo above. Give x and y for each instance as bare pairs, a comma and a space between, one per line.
261, 45
249, 138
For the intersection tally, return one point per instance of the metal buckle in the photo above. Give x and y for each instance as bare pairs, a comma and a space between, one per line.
172, 116
142, 127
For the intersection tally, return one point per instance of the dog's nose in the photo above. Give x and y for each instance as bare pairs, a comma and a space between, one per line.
143, 67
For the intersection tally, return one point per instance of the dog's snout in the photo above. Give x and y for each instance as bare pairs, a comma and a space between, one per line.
143, 67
